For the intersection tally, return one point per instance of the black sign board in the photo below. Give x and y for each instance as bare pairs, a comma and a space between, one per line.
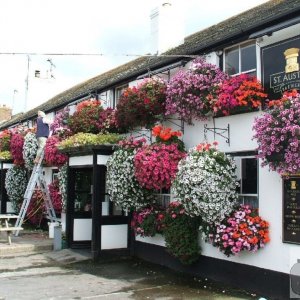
280, 67
291, 210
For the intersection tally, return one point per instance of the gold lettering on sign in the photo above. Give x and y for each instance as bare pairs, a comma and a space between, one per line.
291, 57
293, 184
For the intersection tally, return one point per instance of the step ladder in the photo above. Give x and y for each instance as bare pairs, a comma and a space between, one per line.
36, 180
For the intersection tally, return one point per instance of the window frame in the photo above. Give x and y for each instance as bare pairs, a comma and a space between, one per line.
118, 90
240, 46
243, 155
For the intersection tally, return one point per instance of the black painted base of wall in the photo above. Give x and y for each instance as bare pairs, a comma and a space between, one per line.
263, 282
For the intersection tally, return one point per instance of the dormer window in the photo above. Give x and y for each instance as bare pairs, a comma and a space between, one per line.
241, 59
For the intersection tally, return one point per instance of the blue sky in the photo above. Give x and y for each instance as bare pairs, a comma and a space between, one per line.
114, 28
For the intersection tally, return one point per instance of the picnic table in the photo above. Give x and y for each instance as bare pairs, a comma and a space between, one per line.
5, 226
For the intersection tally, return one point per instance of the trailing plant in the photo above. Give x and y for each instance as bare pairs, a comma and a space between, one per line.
206, 183
243, 230
86, 117
181, 233
108, 123
156, 165
5, 155
55, 195
89, 139
52, 155
142, 106
190, 93
62, 177
122, 185
242, 92
15, 185
277, 134
29, 150
16, 148
148, 221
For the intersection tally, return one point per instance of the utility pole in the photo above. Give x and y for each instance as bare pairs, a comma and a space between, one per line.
13, 100
27, 83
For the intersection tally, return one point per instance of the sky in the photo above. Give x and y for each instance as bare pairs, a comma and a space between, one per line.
117, 30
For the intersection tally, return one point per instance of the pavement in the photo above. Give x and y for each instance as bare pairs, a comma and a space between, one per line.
30, 269
38, 242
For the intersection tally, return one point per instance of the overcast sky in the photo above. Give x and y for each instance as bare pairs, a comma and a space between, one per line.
115, 28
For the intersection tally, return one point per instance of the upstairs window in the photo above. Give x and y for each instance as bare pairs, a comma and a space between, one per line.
240, 59
118, 92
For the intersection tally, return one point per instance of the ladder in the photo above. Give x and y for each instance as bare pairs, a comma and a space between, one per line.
36, 179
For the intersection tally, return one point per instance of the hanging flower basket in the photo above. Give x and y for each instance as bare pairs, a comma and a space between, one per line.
29, 150
239, 94
156, 165
181, 233
277, 134
122, 185
142, 106
190, 93
52, 155
148, 221
16, 148
243, 230
15, 185
206, 183
86, 117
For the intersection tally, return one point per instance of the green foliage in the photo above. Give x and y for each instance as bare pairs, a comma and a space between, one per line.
5, 155
181, 233
85, 120
89, 139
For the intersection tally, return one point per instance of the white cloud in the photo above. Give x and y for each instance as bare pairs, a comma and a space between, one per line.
114, 28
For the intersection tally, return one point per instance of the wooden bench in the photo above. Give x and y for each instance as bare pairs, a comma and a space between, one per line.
6, 227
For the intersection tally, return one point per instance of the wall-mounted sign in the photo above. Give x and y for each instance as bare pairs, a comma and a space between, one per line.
280, 67
291, 210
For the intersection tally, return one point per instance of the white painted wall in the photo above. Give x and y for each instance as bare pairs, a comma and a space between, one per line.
82, 229
277, 256
102, 159
114, 236
81, 160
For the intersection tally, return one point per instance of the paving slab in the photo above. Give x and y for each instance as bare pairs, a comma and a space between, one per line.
25, 242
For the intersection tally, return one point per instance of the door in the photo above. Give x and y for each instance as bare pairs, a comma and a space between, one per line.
79, 207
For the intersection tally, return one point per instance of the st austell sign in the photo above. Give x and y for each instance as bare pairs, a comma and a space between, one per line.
280, 67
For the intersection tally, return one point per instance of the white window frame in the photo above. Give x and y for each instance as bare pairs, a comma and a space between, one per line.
257, 53
118, 92
234, 156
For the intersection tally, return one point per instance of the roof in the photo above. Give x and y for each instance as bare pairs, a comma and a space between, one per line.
236, 28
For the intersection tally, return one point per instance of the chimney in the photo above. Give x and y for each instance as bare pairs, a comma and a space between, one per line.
5, 113
167, 26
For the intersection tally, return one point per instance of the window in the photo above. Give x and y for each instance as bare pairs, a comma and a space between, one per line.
118, 92
247, 176
240, 59
83, 190
163, 197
